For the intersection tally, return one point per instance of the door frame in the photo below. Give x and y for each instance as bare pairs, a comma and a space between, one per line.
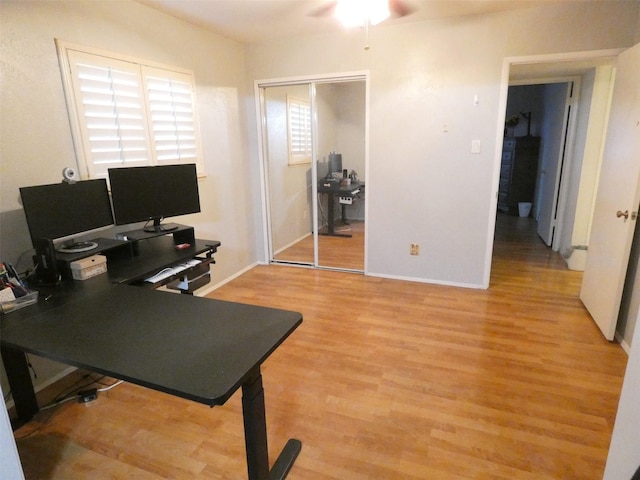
259, 86
508, 62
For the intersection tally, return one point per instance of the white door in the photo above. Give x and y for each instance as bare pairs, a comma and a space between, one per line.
617, 199
558, 103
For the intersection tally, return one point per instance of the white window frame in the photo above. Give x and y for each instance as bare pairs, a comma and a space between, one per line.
152, 113
299, 133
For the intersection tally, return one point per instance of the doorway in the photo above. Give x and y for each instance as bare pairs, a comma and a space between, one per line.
579, 181
312, 135
541, 138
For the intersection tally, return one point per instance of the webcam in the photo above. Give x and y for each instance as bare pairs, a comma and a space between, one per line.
69, 175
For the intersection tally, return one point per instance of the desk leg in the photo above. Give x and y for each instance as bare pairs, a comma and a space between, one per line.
24, 397
331, 232
255, 433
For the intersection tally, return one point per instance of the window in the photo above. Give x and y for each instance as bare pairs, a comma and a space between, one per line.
128, 112
299, 127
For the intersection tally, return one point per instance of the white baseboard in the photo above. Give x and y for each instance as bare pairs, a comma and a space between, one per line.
426, 280
204, 292
623, 343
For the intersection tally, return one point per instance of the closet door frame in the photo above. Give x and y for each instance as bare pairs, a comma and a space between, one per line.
260, 106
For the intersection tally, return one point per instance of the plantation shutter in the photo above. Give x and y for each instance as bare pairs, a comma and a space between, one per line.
125, 113
111, 110
299, 122
171, 116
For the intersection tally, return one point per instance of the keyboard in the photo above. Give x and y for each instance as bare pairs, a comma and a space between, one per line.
168, 272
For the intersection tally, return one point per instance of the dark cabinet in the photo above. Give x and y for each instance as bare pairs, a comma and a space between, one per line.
518, 172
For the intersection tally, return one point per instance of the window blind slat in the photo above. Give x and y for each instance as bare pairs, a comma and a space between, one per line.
172, 119
299, 119
130, 113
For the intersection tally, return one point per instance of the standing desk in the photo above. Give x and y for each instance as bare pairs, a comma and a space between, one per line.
195, 348
335, 189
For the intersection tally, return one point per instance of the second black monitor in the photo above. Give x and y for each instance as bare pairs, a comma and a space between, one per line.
150, 194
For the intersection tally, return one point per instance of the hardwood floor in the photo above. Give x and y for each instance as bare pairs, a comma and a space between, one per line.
383, 380
334, 252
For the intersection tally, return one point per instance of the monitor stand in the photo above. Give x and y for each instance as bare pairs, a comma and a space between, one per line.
161, 228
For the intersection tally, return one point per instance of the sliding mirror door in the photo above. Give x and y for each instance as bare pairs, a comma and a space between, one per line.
341, 173
287, 148
313, 148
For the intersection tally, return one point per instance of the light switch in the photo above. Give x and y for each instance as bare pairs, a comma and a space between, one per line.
475, 146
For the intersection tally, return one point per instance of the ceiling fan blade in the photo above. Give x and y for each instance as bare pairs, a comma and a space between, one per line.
399, 8
324, 11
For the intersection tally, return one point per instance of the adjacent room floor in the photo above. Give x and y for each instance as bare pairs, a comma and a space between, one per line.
384, 379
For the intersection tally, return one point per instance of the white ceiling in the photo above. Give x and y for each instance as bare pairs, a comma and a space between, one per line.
258, 20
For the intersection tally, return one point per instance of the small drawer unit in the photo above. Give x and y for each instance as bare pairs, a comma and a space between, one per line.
518, 172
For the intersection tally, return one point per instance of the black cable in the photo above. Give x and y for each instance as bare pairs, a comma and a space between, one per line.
35, 374
27, 270
63, 396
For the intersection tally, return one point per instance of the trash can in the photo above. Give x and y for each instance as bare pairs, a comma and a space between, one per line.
524, 208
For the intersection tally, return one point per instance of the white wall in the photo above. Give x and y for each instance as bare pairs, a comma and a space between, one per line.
36, 139
424, 185
624, 451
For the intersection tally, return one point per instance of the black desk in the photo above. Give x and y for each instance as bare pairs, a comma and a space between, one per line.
196, 348
335, 189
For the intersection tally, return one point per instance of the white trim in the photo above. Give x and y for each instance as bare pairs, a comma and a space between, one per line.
427, 281
147, 144
262, 155
259, 86
502, 107
318, 78
64, 45
206, 291
564, 57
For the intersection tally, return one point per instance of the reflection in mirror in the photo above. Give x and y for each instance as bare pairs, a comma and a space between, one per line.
340, 171
337, 154
288, 159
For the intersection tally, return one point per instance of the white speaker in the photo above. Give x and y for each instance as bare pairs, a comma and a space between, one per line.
69, 174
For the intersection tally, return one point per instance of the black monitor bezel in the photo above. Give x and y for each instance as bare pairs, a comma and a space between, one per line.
59, 211
140, 194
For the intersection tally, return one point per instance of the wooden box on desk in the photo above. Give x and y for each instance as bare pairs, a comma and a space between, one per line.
88, 267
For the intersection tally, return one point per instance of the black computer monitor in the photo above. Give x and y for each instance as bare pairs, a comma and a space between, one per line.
150, 194
61, 211
335, 162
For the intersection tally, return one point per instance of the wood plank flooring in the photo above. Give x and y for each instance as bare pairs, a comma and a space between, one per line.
383, 380
334, 252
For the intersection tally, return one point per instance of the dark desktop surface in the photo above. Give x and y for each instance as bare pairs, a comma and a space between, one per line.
151, 256
336, 187
196, 348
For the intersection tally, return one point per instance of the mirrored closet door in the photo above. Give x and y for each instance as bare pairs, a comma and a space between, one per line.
341, 174
313, 149
287, 112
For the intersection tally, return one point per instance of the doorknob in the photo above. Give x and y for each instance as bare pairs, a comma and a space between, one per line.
624, 214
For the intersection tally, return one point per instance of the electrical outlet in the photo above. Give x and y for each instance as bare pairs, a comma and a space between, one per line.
414, 249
